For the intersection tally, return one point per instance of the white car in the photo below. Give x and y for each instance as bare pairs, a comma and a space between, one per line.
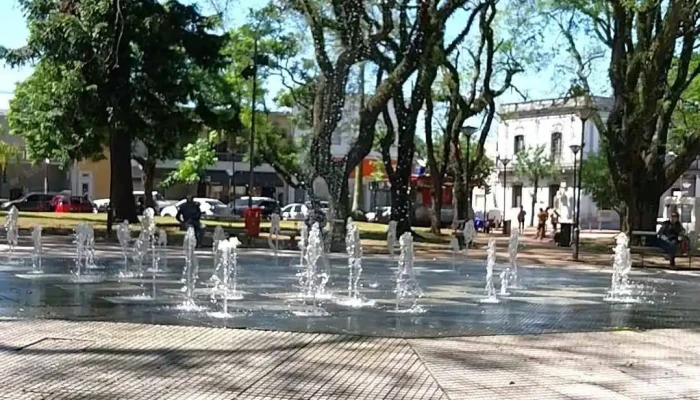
294, 212
209, 208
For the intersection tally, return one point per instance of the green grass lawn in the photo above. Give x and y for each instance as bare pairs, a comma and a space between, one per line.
61, 222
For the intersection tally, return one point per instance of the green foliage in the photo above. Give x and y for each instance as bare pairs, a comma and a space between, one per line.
597, 182
278, 56
378, 172
534, 164
199, 156
8, 152
94, 77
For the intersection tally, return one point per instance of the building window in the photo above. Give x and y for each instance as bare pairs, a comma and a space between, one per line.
517, 196
518, 144
555, 149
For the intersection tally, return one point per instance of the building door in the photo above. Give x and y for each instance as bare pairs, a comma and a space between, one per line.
517, 198
553, 189
85, 185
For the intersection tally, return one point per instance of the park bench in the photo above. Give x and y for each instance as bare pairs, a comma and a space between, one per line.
645, 243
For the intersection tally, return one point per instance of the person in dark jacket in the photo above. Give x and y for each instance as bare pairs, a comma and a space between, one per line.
670, 236
189, 214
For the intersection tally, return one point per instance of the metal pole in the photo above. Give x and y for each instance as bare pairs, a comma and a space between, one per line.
505, 179
469, 196
251, 182
574, 188
577, 228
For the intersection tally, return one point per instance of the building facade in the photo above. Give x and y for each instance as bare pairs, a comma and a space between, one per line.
556, 125
21, 176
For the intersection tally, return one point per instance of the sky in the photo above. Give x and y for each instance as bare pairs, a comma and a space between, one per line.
14, 33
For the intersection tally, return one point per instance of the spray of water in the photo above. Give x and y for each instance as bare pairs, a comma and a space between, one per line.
513, 245
505, 274
225, 277
454, 248
469, 233
620, 287
82, 235
218, 237
490, 291
311, 280
12, 232
353, 247
273, 239
407, 289
124, 237
303, 238
145, 243
191, 270
163, 245
36, 252
391, 238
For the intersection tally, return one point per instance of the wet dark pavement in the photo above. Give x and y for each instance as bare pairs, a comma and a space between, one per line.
552, 300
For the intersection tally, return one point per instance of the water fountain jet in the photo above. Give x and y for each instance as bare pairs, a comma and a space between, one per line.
407, 289
36, 252
225, 276
490, 291
620, 287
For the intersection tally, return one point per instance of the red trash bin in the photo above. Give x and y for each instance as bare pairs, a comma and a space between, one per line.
252, 222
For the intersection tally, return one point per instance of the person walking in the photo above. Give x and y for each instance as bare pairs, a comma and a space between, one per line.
521, 219
541, 224
189, 214
553, 219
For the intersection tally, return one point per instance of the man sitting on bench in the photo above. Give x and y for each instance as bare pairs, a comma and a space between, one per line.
670, 236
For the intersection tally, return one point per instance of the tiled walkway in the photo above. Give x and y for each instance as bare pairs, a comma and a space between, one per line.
51, 359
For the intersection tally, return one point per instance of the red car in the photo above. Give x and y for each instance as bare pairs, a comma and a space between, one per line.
72, 204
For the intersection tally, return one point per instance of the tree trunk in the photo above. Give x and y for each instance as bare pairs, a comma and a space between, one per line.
149, 172
357, 192
122, 193
339, 212
534, 202
401, 206
435, 217
642, 212
202, 187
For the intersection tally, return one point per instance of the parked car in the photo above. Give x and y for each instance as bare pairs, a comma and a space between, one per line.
37, 202
161, 202
294, 212
73, 204
211, 208
267, 206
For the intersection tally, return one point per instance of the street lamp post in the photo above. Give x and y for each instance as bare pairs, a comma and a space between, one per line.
575, 149
468, 131
584, 114
46, 175
251, 71
505, 162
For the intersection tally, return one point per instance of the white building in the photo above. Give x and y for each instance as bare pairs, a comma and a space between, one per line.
555, 124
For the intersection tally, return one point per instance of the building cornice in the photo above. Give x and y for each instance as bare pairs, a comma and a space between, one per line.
552, 107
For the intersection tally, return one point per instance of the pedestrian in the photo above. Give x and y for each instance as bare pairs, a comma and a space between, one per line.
521, 219
670, 236
554, 219
541, 224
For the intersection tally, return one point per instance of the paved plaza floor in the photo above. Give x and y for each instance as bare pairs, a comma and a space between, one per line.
102, 336
52, 359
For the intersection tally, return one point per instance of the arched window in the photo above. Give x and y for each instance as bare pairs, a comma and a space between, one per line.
555, 147
518, 144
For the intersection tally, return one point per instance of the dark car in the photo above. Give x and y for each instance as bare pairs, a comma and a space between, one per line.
37, 202
267, 206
